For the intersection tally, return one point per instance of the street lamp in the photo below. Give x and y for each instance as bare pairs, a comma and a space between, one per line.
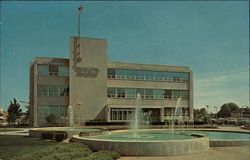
78, 104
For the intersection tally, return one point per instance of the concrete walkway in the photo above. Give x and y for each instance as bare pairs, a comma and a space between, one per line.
215, 153
15, 131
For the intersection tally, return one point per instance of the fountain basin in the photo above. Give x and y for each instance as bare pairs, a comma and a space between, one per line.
186, 144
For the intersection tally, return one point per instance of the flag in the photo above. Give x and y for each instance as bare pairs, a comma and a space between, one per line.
80, 8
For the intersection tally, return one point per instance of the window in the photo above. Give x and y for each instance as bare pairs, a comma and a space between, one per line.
63, 71
111, 92
167, 76
176, 94
167, 94
43, 70
111, 73
125, 115
176, 76
140, 75
42, 90
53, 90
113, 114
184, 94
184, 76
120, 115
53, 70
130, 93
140, 91
131, 74
64, 90
159, 94
121, 92
149, 75
149, 93
63, 111
58, 111
121, 73
159, 75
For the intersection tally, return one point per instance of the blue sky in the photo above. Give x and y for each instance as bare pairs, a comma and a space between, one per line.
211, 37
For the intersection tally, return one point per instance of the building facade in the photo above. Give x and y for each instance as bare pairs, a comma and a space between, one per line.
99, 90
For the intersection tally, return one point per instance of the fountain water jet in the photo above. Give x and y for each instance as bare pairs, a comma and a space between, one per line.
138, 119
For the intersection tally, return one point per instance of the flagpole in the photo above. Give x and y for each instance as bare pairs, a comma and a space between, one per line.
78, 21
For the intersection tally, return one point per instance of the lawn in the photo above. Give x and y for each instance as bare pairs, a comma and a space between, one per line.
26, 148
11, 146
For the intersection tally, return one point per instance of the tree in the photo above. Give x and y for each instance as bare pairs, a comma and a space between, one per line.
14, 112
200, 114
226, 109
27, 114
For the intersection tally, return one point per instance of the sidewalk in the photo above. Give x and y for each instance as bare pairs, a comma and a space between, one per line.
215, 153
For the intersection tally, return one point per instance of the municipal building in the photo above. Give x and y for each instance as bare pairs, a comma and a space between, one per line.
102, 91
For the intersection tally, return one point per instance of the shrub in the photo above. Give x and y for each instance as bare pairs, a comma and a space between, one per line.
102, 155
51, 119
58, 152
47, 135
60, 136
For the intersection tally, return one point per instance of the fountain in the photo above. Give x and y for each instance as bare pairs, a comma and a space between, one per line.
147, 142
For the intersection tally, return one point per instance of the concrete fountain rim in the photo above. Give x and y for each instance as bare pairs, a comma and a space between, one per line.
197, 137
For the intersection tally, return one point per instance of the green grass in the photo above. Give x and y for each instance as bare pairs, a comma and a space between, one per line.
11, 146
26, 148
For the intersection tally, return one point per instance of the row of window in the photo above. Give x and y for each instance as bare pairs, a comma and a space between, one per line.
58, 111
121, 113
147, 75
52, 70
147, 93
52, 90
